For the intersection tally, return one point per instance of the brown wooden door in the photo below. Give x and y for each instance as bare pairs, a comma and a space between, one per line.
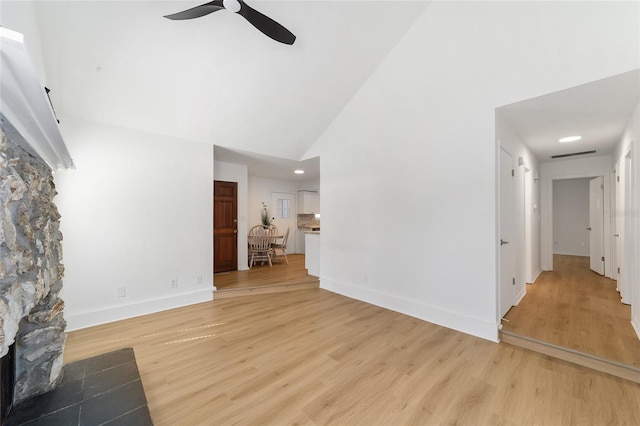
225, 226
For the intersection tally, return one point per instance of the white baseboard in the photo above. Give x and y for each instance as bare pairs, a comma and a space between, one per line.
470, 325
535, 276
635, 323
135, 309
572, 254
519, 297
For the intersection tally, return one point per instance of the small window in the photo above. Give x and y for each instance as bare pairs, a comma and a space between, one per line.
284, 210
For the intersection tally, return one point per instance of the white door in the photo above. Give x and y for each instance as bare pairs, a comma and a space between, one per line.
618, 229
507, 257
283, 209
596, 224
626, 287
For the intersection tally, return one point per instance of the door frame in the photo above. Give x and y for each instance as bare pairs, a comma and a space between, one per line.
234, 226
546, 226
293, 227
499, 231
628, 247
615, 202
594, 244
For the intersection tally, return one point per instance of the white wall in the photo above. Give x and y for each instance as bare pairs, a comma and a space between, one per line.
629, 136
630, 139
533, 219
571, 216
408, 170
136, 213
21, 16
309, 185
230, 172
526, 206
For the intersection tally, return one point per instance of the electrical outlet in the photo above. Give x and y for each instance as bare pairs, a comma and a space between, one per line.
174, 283
199, 279
122, 292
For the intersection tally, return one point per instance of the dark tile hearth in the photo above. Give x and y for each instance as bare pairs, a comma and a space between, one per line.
103, 390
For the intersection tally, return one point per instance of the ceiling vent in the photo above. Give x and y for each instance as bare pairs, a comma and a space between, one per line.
573, 154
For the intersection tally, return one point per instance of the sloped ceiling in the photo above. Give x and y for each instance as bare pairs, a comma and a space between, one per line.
217, 79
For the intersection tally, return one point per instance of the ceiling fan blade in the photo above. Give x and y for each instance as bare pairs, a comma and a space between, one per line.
198, 11
268, 26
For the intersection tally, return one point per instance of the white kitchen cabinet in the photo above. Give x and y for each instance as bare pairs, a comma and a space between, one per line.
308, 202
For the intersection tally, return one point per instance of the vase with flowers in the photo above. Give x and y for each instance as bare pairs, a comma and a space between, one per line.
265, 216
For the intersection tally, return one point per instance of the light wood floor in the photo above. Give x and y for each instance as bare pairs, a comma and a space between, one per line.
314, 357
576, 308
264, 275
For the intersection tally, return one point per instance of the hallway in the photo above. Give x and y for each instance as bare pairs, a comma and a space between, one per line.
576, 308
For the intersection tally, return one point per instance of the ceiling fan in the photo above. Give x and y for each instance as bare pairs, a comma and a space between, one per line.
268, 26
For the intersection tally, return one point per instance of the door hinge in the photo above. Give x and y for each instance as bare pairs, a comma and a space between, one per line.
513, 173
513, 282
618, 178
601, 186
618, 270
603, 258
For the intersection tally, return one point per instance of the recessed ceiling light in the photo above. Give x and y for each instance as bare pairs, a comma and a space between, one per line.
570, 139
299, 172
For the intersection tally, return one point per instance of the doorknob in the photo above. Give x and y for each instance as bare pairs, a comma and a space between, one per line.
503, 242
589, 229
616, 235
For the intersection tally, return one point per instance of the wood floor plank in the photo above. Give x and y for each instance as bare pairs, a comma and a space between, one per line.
314, 357
264, 275
576, 308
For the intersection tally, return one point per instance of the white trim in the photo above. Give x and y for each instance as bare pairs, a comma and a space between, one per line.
635, 323
136, 309
499, 234
27, 116
520, 296
455, 320
613, 207
535, 276
496, 246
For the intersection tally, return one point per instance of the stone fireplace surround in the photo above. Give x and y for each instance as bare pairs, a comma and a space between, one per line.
30, 271
31, 312
105, 389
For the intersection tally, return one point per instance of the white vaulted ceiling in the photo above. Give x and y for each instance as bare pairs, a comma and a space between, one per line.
217, 79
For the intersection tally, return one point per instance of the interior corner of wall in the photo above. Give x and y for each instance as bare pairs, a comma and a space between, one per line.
313, 151
520, 295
